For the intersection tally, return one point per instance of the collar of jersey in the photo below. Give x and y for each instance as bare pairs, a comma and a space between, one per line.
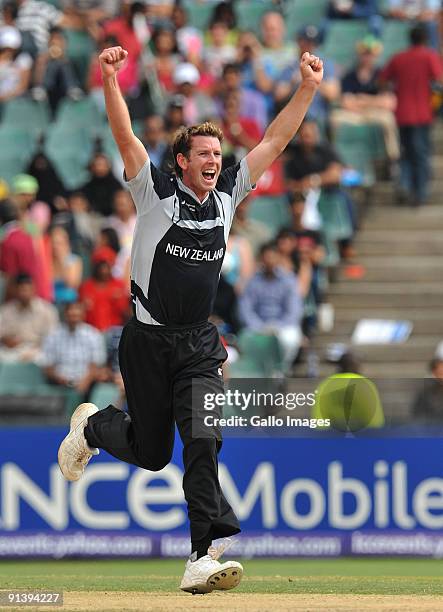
186, 189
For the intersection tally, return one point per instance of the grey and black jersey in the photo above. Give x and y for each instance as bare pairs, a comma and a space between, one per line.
179, 244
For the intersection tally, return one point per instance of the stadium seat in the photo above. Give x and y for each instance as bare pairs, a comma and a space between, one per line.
81, 113
107, 142
395, 38
299, 13
70, 151
340, 41
273, 211
20, 378
358, 146
17, 145
332, 258
336, 221
262, 350
26, 113
249, 13
104, 394
199, 13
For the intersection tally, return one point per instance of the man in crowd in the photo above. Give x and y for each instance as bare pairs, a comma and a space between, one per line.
24, 322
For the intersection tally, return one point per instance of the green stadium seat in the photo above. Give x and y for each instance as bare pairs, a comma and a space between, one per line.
395, 38
20, 378
104, 394
336, 221
79, 48
82, 113
332, 258
341, 39
299, 13
108, 144
261, 350
249, 13
199, 13
17, 145
26, 113
70, 151
273, 211
358, 146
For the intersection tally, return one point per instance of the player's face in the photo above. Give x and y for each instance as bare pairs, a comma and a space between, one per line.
202, 167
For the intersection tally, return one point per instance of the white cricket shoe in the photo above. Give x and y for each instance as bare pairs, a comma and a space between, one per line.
208, 574
74, 452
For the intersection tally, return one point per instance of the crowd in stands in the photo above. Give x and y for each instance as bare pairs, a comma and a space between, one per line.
67, 219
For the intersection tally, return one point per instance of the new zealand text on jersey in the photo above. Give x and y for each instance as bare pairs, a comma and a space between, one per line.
195, 254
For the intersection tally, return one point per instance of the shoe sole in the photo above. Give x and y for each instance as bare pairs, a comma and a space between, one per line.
223, 580
76, 421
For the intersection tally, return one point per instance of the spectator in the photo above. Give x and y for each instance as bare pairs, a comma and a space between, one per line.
276, 51
154, 139
106, 299
74, 352
220, 50
242, 133
174, 117
289, 79
50, 187
197, 107
165, 58
124, 218
428, 403
189, 39
79, 222
363, 102
238, 264
270, 60
67, 267
38, 18
255, 232
122, 27
127, 76
25, 321
271, 303
102, 185
15, 67
412, 73
426, 12
54, 76
357, 9
108, 237
312, 164
294, 259
17, 251
307, 238
252, 103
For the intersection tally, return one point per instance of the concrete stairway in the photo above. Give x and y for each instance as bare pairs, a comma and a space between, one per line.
400, 250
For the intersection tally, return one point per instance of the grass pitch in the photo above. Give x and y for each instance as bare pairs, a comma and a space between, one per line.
337, 576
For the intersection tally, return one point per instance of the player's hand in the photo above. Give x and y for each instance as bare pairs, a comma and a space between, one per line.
111, 60
311, 68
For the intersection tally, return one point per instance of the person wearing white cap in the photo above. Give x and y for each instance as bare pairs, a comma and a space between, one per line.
170, 354
15, 67
197, 106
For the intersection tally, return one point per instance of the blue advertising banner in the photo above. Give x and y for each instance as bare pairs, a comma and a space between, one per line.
296, 497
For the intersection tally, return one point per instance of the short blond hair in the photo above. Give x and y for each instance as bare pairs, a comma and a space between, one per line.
183, 140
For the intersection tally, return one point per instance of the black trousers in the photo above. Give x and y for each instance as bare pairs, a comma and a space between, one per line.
165, 372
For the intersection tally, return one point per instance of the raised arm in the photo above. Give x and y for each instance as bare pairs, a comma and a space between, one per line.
133, 152
287, 122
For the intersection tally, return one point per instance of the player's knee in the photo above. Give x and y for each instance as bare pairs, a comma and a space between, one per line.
153, 464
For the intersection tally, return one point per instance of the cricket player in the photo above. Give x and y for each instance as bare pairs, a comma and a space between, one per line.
170, 355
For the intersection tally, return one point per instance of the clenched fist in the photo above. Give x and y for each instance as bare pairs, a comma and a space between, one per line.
111, 60
311, 68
